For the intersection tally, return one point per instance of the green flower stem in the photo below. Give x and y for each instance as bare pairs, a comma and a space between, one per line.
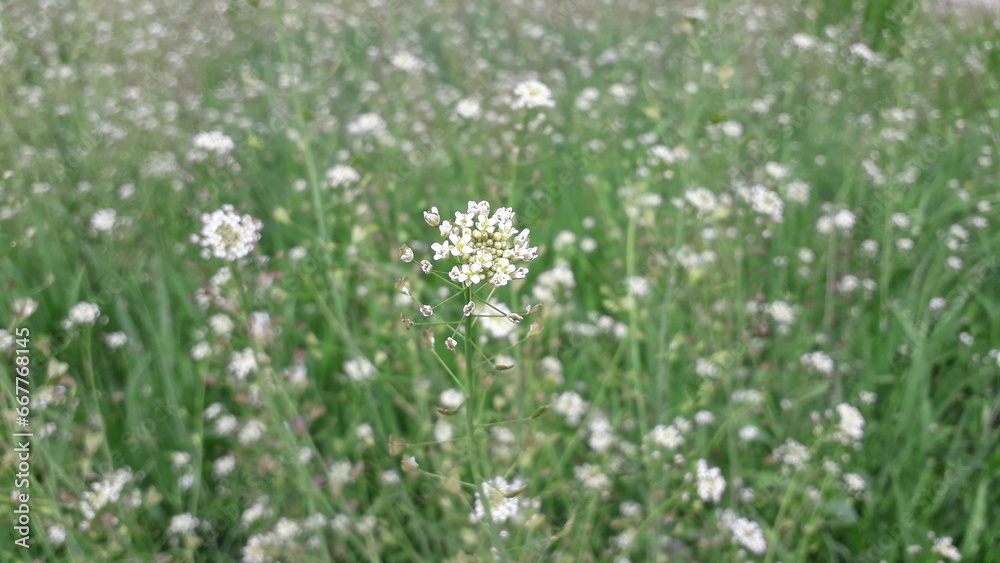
88, 369
634, 355
458, 381
477, 446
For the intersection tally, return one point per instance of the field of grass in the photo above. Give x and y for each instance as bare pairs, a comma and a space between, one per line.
763, 323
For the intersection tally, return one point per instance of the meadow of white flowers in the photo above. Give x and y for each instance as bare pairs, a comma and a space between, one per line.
539, 280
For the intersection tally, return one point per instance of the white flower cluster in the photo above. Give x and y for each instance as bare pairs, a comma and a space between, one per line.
104, 493
481, 245
668, 437
215, 142
242, 363
818, 361
359, 369
532, 94
407, 62
82, 313
502, 499
183, 524
103, 221
746, 533
211, 143
852, 424
227, 234
765, 202
468, 108
792, 454
710, 482
945, 548
341, 175
572, 406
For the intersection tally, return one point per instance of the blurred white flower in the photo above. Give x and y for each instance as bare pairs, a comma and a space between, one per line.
359, 369
532, 94
226, 234
709, 482
82, 313
214, 142
341, 175
103, 221
500, 499
183, 524
468, 108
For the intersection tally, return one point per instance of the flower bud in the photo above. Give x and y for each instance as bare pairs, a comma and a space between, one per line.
406, 253
396, 444
432, 217
410, 464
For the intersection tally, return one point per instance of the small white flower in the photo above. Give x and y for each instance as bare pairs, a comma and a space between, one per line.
945, 548
571, 406
368, 123
23, 308
452, 398
749, 534
766, 202
532, 94
731, 128
115, 340
214, 142
56, 534
781, 312
83, 313
852, 424
359, 369
844, 220
183, 524
201, 351
710, 482
341, 175
749, 433
407, 62
792, 453
242, 364
251, 432
103, 221
637, 286
702, 199
223, 466
818, 361
776, 170
797, 191
668, 437
468, 108
226, 234
855, 483
500, 499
